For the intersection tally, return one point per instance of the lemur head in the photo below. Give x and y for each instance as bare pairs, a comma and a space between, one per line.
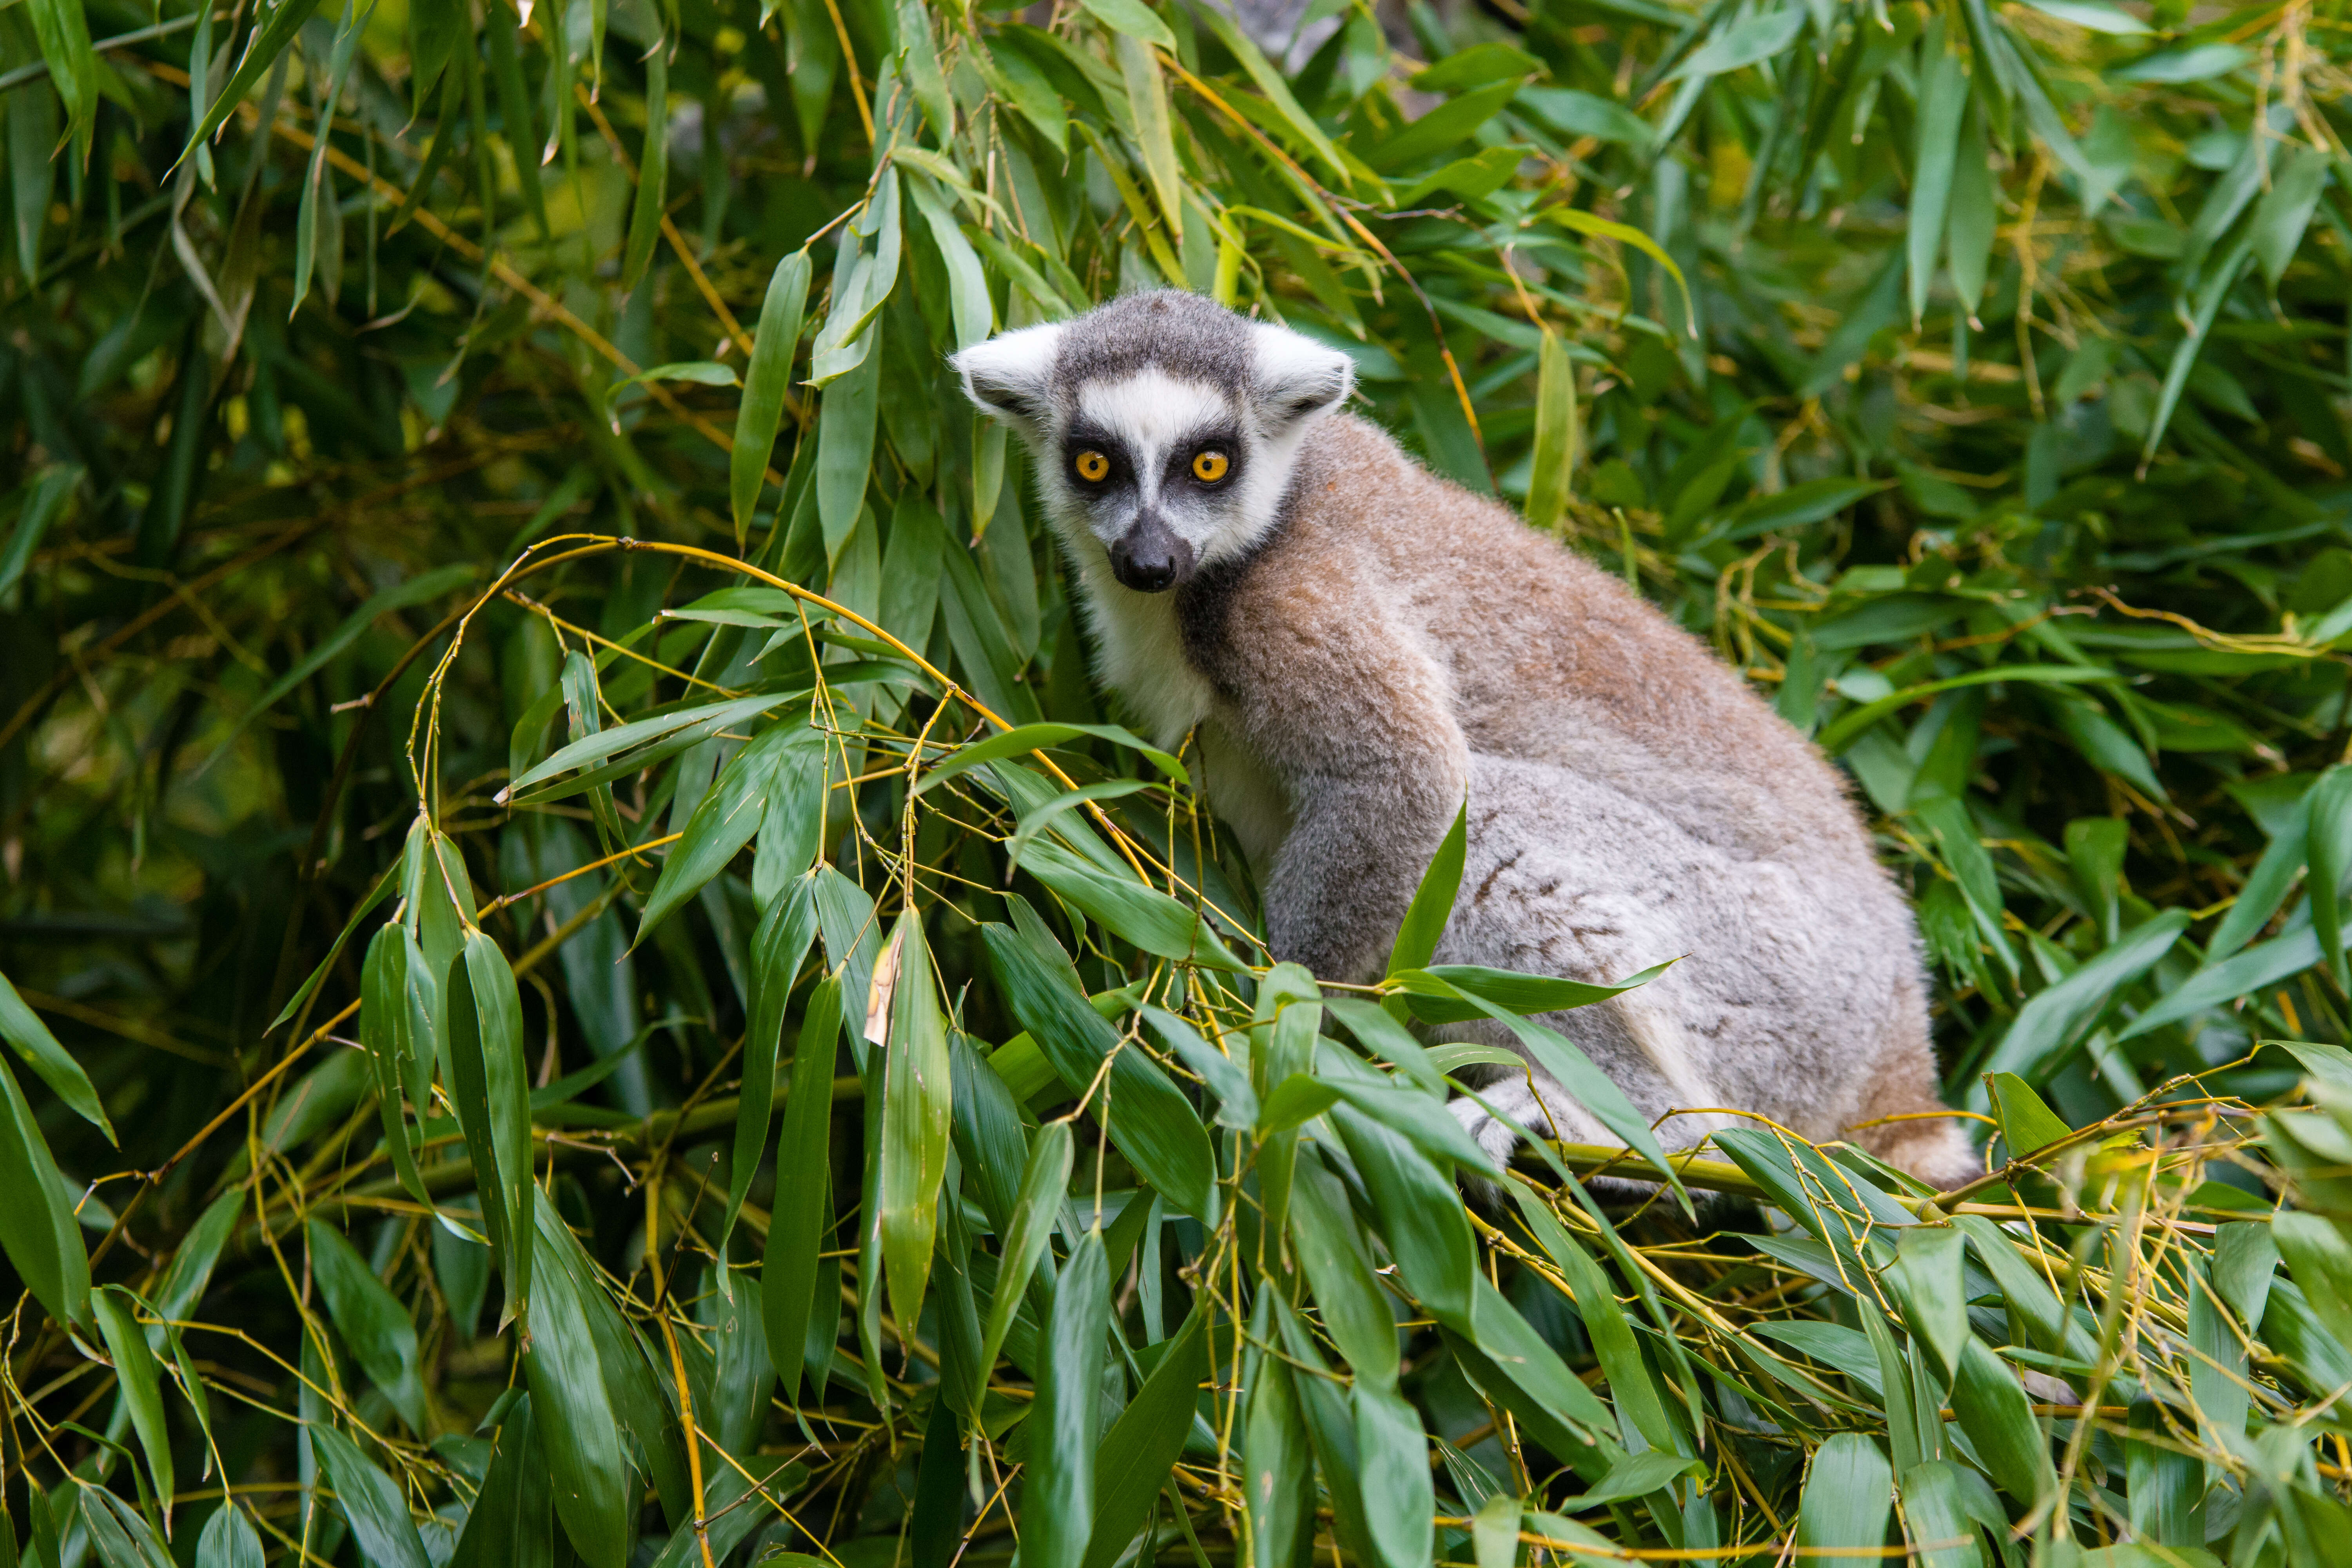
1162, 426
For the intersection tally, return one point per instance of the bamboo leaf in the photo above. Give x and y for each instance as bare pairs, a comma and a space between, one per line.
490, 1084
1045, 1185
140, 1377
1433, 900
653, 171
229, 1540
766, 381
371, 1321
1848, 1498
1151, 1121
37, 1229
1057, 1504
22, 1028
378, 1517
1556, 434
915, 1094
1133, 1462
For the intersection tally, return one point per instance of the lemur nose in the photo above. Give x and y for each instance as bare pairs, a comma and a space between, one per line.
1150, 559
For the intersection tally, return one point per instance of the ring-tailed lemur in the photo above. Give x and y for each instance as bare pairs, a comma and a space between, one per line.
1359, 642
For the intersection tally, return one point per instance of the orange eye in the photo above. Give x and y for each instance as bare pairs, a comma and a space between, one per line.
1209, 467
1092, 467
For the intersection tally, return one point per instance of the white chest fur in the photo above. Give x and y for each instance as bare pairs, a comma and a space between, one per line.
1139, 654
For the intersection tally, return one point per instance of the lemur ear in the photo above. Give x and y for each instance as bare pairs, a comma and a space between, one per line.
1299, 378
1010, 375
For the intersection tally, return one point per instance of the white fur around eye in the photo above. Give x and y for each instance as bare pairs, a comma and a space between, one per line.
1152, 412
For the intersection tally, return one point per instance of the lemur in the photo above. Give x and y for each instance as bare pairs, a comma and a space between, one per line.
1358, 644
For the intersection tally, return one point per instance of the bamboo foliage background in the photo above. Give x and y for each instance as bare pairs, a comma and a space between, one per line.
588, 976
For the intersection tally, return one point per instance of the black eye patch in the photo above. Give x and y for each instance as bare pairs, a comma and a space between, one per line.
1208, 459
1093, 460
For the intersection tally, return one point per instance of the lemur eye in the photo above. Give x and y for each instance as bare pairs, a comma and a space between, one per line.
1209, 467
1092, 467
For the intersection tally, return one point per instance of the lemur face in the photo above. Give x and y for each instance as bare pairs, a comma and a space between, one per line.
1162, 426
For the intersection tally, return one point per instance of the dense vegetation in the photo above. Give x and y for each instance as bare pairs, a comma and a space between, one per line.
591, 979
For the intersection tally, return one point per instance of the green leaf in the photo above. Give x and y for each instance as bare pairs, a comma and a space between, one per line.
1944, 93
1272, 82
653, 171
1446, 127
229, 1540
1135, 19
63, 28
1057, 1498
21, 1028
779, 947
920, 56
140, 1377
845, 445
43, 503
510, 1522
1023, 739
1584, 114
1743, 42
1044, 1186
1399, 1498
1494, 1531
2279, 220
1418, 1215
1355, 1312
2027, 1123
514, 110
796, 1230
261, 51
1127, 909
1145, 1442
2328, 840
1560, 1057
491, 1087
1631, 1384
646, 1423
728, 815
37, 1228
379, 1517
2055, 1019
1457, 993
1150, 1120
371, 1321
1146, 98
120, 1534
576, 1422
766, 382
1637, 1476
696, 372
1278, 1466
917, 1086
2092, 13
1556, 434
1975, 219
1994, 1412
1934, 1300
2320, 1257
385, 1036
676, 731
1433, 901
1848, 1497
